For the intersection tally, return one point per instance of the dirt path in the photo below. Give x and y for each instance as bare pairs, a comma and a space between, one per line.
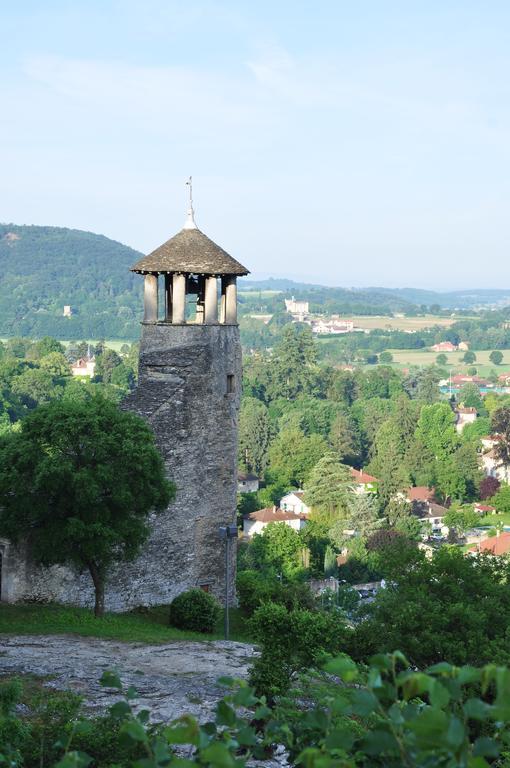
171, 679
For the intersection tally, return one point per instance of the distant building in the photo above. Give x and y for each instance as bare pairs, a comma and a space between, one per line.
363, 482
68, 311
444, 346
494, 545
255, 522
296, 307
333, 327
464, 416
463, 346
484, 509
293, 502
84, 367
247, 483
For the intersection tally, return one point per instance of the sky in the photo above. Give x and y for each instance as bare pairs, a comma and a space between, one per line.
346, 143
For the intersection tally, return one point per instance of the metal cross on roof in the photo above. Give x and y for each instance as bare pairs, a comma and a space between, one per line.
190, 221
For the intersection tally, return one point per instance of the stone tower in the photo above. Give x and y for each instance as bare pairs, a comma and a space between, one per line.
189, 392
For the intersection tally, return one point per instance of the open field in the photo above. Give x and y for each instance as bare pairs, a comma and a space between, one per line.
408, 357
371, 322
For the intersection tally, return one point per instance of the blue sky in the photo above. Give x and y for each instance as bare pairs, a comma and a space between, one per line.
350, 143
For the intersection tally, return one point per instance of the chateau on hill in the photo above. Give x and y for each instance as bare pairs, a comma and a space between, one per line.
189, 392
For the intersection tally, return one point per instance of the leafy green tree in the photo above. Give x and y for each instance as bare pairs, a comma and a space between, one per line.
330, 566
436, 430
469, 357
501, 426
294, 367
122, 376
461, 519
496, 357
470, 397
501, 499
363, 514
55, 363
68, 486
386, 357
255, 434
451, 607
388, 461
276, 549
441, 359
47, 345
344, 438
35, 386
329, 487
106, 362
292, 456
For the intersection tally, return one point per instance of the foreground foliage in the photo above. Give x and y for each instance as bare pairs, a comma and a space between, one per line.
346, 716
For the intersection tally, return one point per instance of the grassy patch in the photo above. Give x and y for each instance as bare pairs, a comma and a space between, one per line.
147, 626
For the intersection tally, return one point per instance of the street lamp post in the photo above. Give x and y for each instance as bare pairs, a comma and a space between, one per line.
227, 532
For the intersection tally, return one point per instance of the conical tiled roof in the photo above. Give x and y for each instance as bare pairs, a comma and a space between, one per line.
192, 252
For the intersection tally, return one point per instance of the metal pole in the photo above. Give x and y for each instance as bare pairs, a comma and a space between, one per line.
227, 584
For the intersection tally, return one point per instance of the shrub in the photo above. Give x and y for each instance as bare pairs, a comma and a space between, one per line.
255, 589
291, 641
195, 610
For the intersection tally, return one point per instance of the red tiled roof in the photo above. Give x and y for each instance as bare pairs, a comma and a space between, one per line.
421, 493
362, 477
496, 545
273, 515
484, 507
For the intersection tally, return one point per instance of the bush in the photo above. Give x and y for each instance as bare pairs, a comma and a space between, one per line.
255, 589
195, 610
291, 641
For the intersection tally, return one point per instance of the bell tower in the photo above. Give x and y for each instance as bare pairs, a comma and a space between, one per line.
189, 392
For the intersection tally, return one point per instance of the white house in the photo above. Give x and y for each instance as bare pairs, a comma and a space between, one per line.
84, 367
255, 522
293, 502
493, 467
296, 307
247, 483
333, 326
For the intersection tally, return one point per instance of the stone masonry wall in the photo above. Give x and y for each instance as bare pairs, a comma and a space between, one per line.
183, 392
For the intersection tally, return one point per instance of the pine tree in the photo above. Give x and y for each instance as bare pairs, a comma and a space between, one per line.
364, 514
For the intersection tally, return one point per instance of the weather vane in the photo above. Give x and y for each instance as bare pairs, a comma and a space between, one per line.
190, 223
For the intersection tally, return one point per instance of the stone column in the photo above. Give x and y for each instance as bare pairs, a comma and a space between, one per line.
211, 301
179, 299
231, 300
222, 300
168, 298
150, 299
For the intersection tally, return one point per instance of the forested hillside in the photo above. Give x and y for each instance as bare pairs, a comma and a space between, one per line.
45, 268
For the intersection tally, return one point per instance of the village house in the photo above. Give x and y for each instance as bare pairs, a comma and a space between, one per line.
255, 522
493, 467
84, 366
464, 416
484, 509
444, 346
247, 483
493, 545
424, 506
363, 482
332, 327
293, 502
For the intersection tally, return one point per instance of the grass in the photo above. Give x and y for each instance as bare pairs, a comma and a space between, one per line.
373, 322
494, 520
409, 357
147, 626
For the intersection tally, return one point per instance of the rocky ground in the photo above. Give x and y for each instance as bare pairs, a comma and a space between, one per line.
171, 679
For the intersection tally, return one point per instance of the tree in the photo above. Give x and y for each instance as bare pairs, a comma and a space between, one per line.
388, 462
470, 397
489, 486
293, 455
294, 365
106, 362
441, 359
47, 345
386, 357
344, 438
329, 487
254, 435
461, 519
364, 514
78, 482
469, 357
35, 386
330, 566
501, 427
451, 607
276, 548
55, 363
501, 499
496, 357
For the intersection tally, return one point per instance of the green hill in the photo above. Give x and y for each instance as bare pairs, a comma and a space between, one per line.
45, 268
